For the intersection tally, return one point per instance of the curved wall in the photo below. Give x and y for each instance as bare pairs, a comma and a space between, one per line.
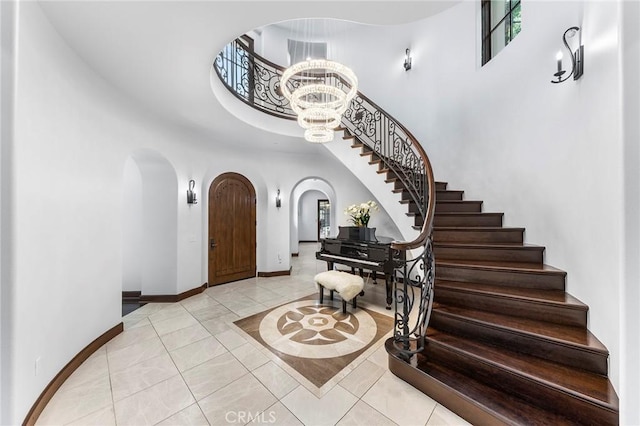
73, 135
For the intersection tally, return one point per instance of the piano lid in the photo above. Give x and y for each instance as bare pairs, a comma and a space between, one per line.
360, 233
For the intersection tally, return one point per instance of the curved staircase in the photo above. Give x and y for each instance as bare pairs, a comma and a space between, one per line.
505, 344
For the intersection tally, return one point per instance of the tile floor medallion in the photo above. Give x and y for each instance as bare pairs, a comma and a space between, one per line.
317, 341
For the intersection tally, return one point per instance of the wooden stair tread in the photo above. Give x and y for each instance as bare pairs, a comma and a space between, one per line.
591, 387
476, 229
502, 266
505, 408
506, 246
465, 214
566, 335
533, 295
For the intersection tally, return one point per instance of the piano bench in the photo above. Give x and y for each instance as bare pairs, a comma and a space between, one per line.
347, 285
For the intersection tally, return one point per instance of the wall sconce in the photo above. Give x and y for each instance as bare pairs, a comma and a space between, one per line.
407, 60
191, 196
577, 59
278, 200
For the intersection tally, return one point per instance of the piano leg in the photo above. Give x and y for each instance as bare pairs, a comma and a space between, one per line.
329, 266
375, 277
321, 294
388, 283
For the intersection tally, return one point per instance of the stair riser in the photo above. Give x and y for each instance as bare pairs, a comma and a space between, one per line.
412, 207
374, 161
478, 236
508, 278
365, 150
557, 314
487, 253
449, 195
441, 186
465, 206
469, 221
529, 389
572, 356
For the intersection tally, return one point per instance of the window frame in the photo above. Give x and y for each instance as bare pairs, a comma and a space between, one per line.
488, 30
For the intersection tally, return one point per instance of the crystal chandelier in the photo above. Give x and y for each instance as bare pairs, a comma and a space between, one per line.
319, 91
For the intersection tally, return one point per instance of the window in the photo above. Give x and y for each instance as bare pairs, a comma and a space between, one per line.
501, 22
324, 219
302, 50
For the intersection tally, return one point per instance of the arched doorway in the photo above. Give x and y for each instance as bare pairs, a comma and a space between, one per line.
232, 229
150, 225
306, 185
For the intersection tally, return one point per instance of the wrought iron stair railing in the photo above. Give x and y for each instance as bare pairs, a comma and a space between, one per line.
256, 81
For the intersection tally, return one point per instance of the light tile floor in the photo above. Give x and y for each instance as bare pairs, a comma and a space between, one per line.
186, 363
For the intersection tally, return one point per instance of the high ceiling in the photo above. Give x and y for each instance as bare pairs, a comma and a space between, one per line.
159, 53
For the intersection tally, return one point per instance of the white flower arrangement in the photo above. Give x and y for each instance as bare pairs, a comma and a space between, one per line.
359, 214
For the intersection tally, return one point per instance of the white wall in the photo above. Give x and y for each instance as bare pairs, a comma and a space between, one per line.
7, 75
630, 294
158, 256
67, 230
131, 227
308, 215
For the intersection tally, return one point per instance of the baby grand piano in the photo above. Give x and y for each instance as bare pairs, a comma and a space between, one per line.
361, 250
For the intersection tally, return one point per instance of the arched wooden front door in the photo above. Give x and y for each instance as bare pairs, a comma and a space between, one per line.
232, 229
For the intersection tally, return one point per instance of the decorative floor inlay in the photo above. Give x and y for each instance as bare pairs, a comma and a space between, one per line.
318, 341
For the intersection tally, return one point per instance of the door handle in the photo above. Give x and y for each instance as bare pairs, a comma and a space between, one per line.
212, 244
